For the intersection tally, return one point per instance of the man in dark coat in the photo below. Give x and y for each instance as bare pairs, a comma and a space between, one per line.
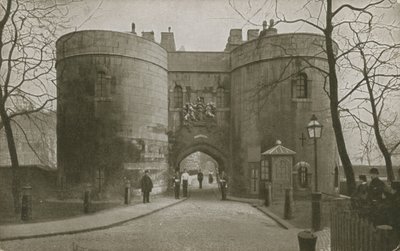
200, 179
223, 180
147, 185
376, 196
377, 189
177, 184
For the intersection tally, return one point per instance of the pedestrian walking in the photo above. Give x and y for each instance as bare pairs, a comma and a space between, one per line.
147, 186
210, 178
185, 182
177, 184
223, 181
200, 179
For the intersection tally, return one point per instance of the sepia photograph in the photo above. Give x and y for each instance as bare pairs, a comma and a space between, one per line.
198, 125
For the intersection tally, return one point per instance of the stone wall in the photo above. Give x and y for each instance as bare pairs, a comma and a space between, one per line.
43, 182
113, 105
263, 109
141, 123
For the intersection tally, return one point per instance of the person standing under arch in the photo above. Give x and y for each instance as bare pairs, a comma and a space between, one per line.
223, 181
200, 178
185, 182
177, 184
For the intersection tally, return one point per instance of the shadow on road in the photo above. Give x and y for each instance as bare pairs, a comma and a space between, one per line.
208, 192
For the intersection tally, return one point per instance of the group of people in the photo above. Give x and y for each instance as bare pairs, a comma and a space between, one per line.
184, 180
377, 201
178, 179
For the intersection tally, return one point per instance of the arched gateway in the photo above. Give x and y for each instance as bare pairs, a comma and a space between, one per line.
127, 103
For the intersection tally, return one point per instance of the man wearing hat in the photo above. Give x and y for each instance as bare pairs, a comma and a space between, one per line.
147, 185
376, 188
377, 194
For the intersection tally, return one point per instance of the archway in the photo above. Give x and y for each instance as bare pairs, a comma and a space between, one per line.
210, 150
200, 162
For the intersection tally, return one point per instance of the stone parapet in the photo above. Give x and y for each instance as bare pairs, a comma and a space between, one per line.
98, 42
278, 46
199, 61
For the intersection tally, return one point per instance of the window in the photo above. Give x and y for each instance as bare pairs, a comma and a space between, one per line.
178, 97
265, 173
300, 86
303, 176
254, 170
103, 89
220, 97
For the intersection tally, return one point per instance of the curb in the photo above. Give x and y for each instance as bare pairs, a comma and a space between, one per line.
90, 229
281, 222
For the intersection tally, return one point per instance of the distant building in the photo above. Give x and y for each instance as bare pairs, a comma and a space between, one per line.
35, 140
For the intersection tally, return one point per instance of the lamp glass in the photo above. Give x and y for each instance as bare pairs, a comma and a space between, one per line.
314, 128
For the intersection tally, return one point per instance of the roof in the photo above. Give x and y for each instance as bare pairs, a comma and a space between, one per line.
279, 150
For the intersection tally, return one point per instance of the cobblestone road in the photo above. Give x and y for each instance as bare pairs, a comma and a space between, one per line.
201, 223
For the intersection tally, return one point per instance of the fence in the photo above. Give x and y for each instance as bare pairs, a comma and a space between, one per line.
349, 232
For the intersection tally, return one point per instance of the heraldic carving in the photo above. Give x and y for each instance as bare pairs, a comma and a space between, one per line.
199, 112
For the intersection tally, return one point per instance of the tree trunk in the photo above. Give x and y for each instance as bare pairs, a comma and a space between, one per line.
15, 181
334, 103
381, 144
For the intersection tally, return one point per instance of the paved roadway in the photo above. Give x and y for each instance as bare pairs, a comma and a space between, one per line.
203, 222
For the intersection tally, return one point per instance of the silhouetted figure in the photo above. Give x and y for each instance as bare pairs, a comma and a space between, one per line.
223, 181
185, 182
177, 184
200, 179
147, 186
376, 197
210, 178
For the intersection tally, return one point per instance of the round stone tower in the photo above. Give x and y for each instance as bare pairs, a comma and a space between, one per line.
274, 93
112, 109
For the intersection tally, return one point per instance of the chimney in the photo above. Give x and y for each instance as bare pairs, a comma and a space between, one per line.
133, 28
167, 40
270, 30
252, 34
234, 40
148, 35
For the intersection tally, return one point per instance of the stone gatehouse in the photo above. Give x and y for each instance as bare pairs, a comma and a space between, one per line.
127, 103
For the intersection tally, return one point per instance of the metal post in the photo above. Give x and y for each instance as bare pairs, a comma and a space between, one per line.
316, 211
307, 241
86, 199
316, 164
288, 212
268, 194
26, 209
127, 192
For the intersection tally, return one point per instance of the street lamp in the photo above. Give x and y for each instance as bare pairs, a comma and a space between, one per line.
314, 129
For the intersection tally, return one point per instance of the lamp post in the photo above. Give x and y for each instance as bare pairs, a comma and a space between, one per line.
314, 129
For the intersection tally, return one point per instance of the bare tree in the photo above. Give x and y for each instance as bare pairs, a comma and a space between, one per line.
338, 24
27, 39
376, 64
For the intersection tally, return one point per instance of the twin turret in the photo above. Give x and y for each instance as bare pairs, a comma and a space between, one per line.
235, 35
167, 38
234, 40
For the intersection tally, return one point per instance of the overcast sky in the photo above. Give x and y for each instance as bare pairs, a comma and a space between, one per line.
197, 24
